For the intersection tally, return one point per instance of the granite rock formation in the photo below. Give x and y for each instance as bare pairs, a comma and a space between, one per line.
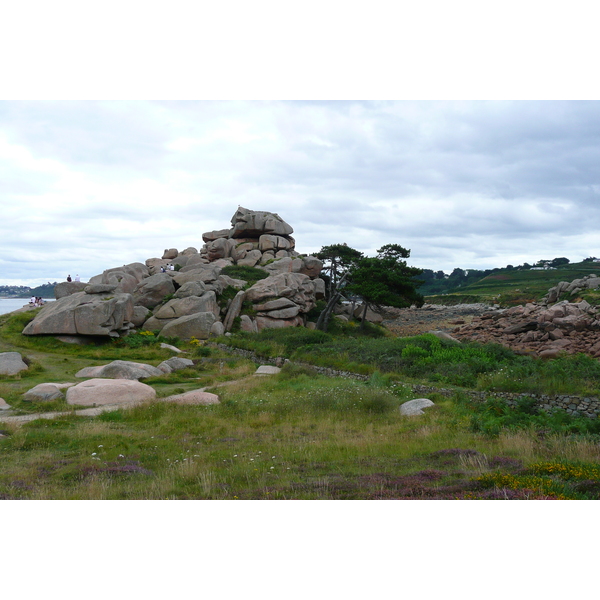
184, 289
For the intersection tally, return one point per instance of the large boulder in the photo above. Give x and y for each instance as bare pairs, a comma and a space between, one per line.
220, 248
250, 259
66, 288
311, 266
275, 243
11, 363
84, 314
191, 288
95, 392
199, 273
247, 324
284, 265
197, 325
253, 223
151, 291
296, 287
140, 315
180, 307
211, 236
121, 369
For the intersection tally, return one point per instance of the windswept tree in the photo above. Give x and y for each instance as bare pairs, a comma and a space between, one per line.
385, 280
337, 260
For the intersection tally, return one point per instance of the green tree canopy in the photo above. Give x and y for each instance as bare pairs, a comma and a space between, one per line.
337, 259
386, 279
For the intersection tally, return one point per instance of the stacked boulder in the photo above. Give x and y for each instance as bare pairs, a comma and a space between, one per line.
179, 293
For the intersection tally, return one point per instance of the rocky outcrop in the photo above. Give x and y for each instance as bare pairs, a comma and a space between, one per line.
539, 329
11, 363
589, 282
183, 288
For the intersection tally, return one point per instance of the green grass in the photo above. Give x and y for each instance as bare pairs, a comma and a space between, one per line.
300, 435
487, 367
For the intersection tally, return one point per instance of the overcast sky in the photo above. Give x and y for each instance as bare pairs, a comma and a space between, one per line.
86, 186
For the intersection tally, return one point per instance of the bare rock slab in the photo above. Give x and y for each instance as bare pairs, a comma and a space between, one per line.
97, 392
415, 407
193, 397
11, 363
4, 405
267, 370
121, 369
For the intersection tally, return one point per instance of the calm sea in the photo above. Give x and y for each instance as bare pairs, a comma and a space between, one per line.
9, 304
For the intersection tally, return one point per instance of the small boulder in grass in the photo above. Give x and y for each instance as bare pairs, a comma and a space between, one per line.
4, 405
175, 364
415, 407
43, 392
193, 397
267, 370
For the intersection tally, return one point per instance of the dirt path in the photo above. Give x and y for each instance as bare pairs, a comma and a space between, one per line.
406, 322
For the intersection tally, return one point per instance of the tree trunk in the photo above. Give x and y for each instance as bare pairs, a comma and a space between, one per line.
364, 317
323, 320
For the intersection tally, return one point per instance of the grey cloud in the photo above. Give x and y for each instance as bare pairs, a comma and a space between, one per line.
453, 180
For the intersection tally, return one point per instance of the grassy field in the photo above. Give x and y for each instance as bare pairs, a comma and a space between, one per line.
512, 287
297, 435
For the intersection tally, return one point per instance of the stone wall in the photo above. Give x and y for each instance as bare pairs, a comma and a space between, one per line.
574, 405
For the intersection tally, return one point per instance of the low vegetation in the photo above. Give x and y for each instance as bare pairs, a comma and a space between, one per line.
300, 434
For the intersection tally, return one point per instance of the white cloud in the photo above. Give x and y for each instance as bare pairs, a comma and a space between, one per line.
90, 185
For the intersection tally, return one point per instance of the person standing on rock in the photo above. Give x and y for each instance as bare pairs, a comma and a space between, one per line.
77, 278
69, 278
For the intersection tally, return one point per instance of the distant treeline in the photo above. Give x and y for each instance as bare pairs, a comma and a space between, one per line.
23, 291
437, 282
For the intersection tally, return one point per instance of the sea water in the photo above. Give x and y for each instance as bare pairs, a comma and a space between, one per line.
9, 304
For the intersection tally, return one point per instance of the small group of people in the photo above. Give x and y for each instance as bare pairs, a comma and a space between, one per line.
167, 267
36, 301
77, 278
